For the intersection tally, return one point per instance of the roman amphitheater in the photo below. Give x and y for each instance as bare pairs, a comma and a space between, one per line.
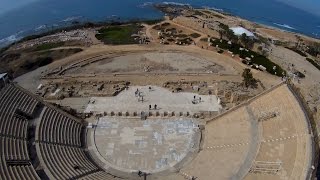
162, 113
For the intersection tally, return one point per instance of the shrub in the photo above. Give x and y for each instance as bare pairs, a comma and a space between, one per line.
49, 46
248, 80
195, 35
297, 51
220, 51
257, 58
313, 63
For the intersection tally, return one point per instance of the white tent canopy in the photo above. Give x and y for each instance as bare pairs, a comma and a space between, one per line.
240, 30
3, 75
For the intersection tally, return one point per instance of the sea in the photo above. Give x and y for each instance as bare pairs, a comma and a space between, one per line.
45, 15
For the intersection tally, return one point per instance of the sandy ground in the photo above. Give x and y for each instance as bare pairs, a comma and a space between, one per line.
230, 65
158, 62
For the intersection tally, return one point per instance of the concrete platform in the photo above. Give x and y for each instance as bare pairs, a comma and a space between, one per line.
126, 101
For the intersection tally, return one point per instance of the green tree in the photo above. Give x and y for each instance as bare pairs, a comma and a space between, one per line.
314, 49
246, 41
248, 80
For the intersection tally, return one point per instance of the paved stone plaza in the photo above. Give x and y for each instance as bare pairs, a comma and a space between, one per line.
127, 101
152, 145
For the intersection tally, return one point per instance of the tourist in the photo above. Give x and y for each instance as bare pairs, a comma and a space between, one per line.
150, 107
155, 106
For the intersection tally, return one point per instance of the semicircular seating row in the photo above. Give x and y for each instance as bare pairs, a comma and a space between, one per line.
57, 138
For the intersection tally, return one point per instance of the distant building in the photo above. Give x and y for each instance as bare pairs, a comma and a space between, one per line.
3, 79
240, 30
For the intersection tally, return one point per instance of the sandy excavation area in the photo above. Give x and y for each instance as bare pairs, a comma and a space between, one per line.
156, 62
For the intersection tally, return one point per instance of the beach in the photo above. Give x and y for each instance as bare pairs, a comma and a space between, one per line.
56, 15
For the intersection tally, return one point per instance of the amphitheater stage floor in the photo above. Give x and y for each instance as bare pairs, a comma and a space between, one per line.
126, 101
152, 145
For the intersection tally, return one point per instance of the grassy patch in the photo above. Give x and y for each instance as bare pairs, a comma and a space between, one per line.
30, 65
313, 63
25, 61
118, 34
152, 22
48, 46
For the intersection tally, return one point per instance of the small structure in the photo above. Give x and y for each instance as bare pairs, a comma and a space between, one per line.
4, 79
240, 30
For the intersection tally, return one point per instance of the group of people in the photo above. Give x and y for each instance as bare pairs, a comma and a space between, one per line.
196, 100
155, 107
139, 94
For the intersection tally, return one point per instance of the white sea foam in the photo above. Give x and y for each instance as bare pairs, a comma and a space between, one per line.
213, 8
175, 3
41, 27
145, 4
72, 18
9, 39
285, 26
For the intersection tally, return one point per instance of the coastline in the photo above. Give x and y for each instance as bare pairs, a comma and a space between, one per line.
262, 25
91, 24
88, 24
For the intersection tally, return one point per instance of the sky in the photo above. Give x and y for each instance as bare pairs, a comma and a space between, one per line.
312, 6
7, 5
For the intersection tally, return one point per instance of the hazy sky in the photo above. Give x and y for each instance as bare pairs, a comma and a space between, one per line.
7, 5
312, 6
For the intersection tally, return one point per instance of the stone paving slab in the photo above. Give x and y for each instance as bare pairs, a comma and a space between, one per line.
151, 145
127, 101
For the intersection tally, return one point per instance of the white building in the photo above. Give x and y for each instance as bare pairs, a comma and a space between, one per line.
4, 78
240, 30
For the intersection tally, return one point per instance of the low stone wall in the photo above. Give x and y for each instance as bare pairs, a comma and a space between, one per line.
312, 128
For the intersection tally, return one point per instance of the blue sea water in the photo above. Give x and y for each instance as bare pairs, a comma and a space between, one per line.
48, 14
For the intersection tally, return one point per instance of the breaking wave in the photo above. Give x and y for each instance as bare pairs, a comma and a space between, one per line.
10, 39
175, 3
213, 8
40, 28
146, 4
72, 18
285, 26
